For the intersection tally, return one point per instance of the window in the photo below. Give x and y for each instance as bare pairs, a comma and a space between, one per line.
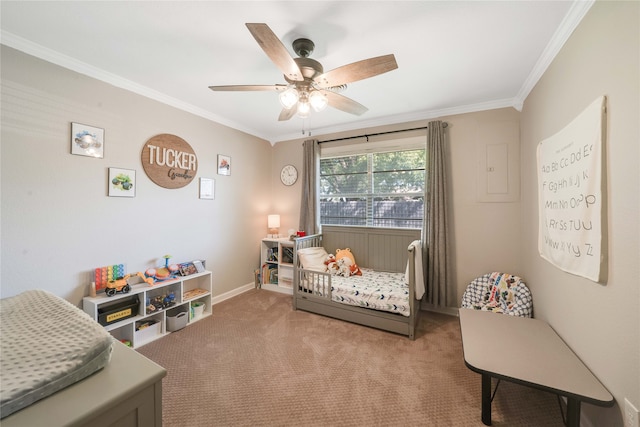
380, 189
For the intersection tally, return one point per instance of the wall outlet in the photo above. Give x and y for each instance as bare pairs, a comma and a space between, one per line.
631, 417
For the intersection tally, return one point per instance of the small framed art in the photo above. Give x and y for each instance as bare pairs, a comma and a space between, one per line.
224, 165
207, 188
87, 140
122, 182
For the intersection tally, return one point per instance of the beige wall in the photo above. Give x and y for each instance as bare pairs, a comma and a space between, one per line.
57, 221
286, 199
485, 235
599, 321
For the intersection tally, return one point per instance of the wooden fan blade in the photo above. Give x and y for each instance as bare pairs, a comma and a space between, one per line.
345, 104
276, 51
355, 71
286, 114
239, 88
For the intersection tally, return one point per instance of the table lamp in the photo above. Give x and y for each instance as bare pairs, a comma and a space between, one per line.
273, 223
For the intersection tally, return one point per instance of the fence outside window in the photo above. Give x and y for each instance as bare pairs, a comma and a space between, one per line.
382, 189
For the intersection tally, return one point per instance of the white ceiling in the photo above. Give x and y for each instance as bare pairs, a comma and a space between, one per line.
453, 56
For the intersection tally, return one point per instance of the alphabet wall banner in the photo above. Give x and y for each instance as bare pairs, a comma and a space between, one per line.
570, 199
169, 161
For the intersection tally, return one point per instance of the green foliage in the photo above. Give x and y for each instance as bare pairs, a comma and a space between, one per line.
376, 173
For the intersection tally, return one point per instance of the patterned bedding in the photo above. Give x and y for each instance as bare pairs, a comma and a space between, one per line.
46, 344
376, 290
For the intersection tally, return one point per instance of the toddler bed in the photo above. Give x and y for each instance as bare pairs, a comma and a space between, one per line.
387, 293
46, 345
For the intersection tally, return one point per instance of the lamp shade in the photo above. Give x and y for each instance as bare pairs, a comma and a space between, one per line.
273, 221
303, 109
318, 100
289, 97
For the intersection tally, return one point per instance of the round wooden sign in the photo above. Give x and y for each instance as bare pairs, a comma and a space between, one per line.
169, 161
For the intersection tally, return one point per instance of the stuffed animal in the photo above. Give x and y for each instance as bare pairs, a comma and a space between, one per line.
355, 270
343, 266
342, 253
330, 262
331, 258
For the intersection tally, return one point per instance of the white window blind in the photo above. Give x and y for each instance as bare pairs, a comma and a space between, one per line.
382, 186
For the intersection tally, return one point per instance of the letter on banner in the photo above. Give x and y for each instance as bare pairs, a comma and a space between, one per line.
570, 194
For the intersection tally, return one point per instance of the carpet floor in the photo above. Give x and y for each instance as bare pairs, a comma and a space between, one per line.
257, 362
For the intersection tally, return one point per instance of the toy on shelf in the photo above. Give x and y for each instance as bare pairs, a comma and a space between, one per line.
160, 302
159, 274
104, 275
124, 284
140, 277
118, 285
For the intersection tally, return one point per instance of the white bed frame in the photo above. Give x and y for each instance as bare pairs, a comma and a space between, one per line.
376, 248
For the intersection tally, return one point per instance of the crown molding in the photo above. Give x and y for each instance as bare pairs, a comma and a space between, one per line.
57, 58
400, 118
574, 16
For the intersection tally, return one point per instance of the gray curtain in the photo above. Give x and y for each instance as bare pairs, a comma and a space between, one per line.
435, 222
309, 217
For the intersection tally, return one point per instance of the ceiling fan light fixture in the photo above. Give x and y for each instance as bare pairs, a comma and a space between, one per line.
303, 109
289, 97
308, 86
318, 100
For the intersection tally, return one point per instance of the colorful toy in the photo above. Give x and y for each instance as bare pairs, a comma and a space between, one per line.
103, 275
118, 285
163, 273
122, 284
160, 302
148, 280
169, 300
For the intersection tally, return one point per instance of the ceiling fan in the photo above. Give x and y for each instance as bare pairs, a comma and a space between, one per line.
308, 86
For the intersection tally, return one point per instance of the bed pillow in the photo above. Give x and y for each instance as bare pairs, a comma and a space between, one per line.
313, 258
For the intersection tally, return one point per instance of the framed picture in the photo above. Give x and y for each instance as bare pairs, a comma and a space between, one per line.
207, 188
87, 140
224, 165
122, 182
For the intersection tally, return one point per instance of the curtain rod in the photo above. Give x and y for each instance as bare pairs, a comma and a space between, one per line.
444, 125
